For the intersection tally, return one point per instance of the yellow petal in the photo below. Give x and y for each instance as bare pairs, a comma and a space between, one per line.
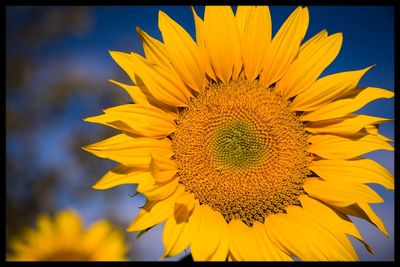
305, 239
343, 107
326, 89
287, 235
309, 64
163, 83
162, 171
134, 92
199, 24
144, 120
180, 228
340, 194
353, 171
68, 228
222, 43
348, 124
155, 212
131, 151
157, 191
211, 240
284, 47
336, 147
112, 248
140, 95
153, 49
269, 250
326, 243
183, 52
364, 211
312, 41
331, 219
252, 243
124, 60
242, 16
95, 236
123, 175
255, 39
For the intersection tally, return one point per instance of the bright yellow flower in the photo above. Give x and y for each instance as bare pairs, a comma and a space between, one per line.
239, 147
64, 239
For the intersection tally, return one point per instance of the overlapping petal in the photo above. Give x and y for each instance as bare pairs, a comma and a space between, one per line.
144, 120
211, 242
346, 106
330, 146
317, 54
326, 89
181, 227
349, 124
221, 38
255, 37
183, 52
131, 151
353, 171
284, 46
335, 193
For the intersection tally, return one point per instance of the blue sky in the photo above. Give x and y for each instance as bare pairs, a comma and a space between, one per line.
368, 33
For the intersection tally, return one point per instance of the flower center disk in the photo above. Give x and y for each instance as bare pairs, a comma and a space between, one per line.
241, 150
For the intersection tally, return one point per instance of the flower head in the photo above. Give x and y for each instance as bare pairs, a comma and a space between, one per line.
239, 145
63, 238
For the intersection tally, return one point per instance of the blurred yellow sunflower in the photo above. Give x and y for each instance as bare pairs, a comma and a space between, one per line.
64, 239
239, 146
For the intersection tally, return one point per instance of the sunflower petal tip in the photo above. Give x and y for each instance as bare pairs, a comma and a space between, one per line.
98, 186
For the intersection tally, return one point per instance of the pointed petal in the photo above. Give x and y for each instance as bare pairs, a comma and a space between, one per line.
332, 220
336, 147
255, 39
326, 89
211, 240
124, 60
335, 193
242, 16
348, 124
284, 47
199, 24
123, 175
343, 107
153, 49
309, 64
305, 239
144, 120
164, 84
129, 150
353, 171
183, 52
222, 43
155, 212
364, 211
134, 92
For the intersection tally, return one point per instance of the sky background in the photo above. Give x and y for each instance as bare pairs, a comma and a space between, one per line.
57, 71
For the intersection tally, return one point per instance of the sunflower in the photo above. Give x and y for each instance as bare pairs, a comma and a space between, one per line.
239, 146
64, 239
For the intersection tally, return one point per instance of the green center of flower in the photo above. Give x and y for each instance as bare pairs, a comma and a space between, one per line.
240, 149
237, 144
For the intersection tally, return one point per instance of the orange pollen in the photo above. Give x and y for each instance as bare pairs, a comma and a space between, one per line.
241, 150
